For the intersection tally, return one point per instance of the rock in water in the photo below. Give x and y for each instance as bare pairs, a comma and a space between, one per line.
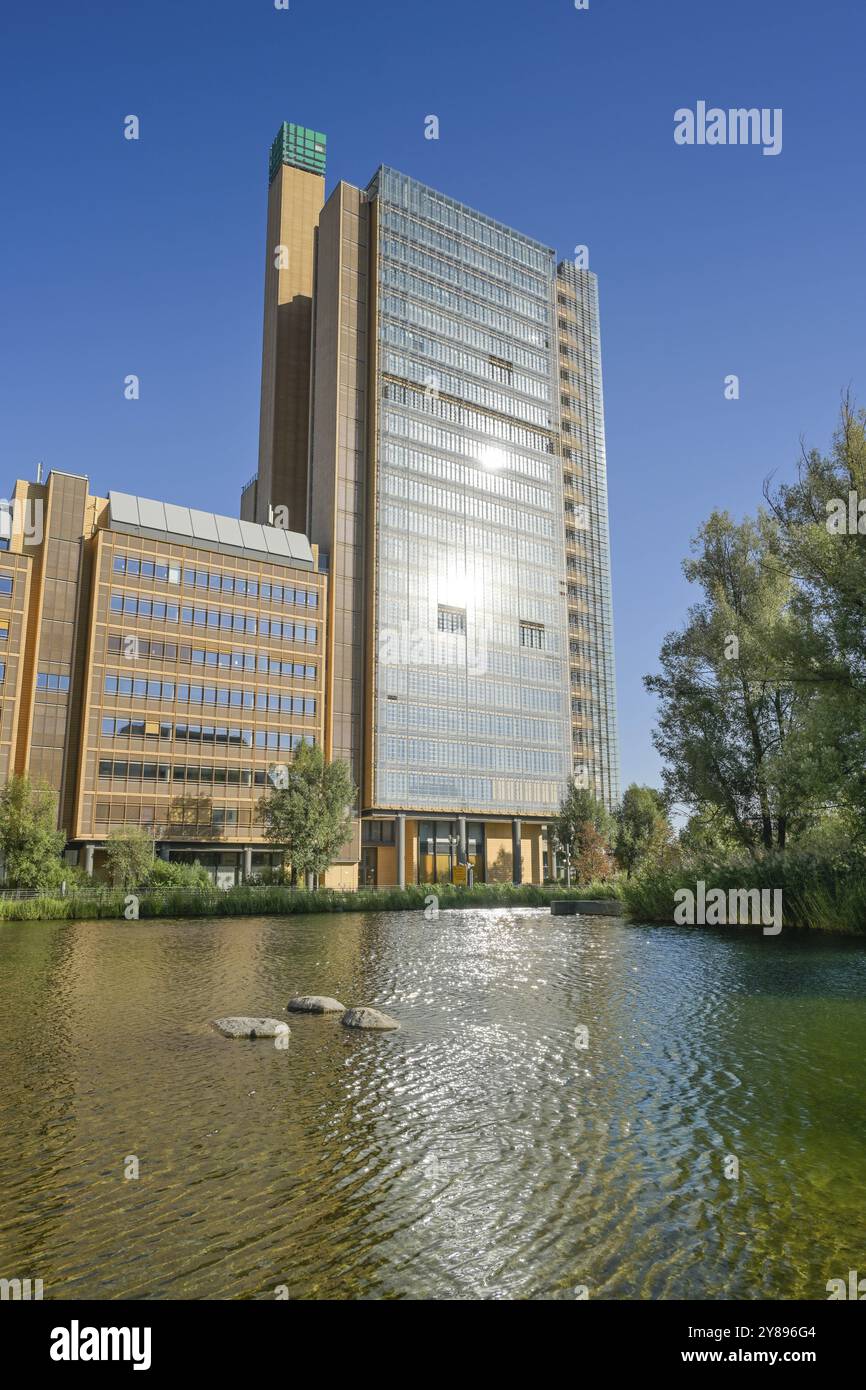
367, 1018
315, 1004
244, 1027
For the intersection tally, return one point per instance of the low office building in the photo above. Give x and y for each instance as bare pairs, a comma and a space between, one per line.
161, 663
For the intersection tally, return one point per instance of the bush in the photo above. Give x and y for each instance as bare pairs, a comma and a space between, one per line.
174, 873
818, 894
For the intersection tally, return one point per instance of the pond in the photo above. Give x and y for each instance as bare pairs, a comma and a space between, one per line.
570, 1104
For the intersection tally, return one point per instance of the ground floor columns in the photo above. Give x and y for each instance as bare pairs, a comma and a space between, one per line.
248, 863
516, 852
462, 857
401, 850
88, 860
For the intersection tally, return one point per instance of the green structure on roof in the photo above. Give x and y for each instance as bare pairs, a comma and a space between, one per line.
302, 148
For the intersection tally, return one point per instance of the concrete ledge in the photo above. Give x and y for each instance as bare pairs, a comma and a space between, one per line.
588, 907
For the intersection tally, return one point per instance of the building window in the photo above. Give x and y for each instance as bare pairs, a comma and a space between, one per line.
378, 832
48, 681
451, 619
532, 635
5, 583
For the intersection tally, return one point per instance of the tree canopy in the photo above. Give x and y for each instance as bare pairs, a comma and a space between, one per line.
30, 842
309, 817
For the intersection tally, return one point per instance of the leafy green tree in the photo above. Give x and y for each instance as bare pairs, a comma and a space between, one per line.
582, 830
643, 831
736, 686
129, 855
822, 546
30, 842
708, 833
309, 818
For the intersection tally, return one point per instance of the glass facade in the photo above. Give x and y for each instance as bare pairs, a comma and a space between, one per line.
471, 701
595, 741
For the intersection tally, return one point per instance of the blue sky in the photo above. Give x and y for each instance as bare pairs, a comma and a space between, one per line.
146, 257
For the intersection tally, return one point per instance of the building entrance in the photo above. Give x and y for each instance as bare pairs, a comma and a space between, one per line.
439, 850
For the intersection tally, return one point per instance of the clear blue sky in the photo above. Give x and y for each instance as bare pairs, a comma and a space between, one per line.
120, 257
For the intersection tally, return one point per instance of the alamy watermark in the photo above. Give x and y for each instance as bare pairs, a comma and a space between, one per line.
855, 1289
738, 907
23, 516
846, 518
712, 125
17, 1290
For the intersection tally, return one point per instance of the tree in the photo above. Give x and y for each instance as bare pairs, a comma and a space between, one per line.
592, 860
309, 818
30, 842
708, 832
822, 529
643, 830
129, 853
582, 830
736, 686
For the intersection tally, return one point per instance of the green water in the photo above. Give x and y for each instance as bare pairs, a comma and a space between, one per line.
479, 1152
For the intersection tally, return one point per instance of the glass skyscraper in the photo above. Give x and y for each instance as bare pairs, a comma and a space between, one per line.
455, 424
471, 681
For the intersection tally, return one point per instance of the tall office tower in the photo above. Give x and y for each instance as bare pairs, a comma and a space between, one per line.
469, 677
436, 488
295, 198
595, 742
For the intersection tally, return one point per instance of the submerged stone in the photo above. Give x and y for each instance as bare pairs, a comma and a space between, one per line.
315, 1004
367, 1018
245, 1027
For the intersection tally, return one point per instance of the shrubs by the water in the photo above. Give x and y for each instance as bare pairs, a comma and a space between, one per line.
818, 894
247, 900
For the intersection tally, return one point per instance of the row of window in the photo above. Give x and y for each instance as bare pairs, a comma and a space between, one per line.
466, 503
420, 752
461, 332
468, 418
428, 291
455, 532
136, 648
124, 727
462, 446
46, 680
444, 272
222, 618
486, 480
448, 383
399, 190
120, 770
463, 252
451, 689
235, 697
197, 817
489, 367
217, 581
